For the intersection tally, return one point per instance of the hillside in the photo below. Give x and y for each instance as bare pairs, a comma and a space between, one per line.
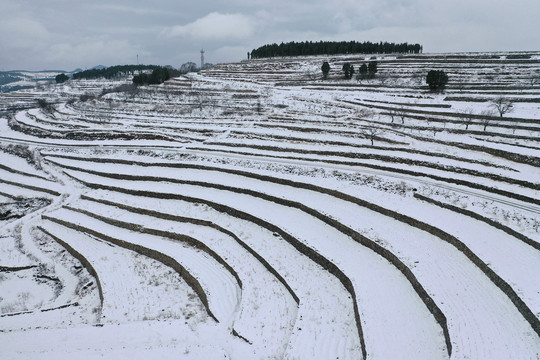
257, 211
18, 80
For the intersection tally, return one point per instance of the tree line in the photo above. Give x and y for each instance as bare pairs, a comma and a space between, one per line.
112, 71
332, 48
158, 76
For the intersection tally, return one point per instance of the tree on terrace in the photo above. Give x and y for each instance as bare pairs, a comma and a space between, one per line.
502, 105
436, 80
348, 70
351, 72
398, 112
468, 117
345, 69
363, 70
61, 78
372, 68
325, 68
486, 118
158, 76
371, 133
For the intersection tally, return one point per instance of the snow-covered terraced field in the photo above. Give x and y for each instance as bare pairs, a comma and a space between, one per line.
256, 211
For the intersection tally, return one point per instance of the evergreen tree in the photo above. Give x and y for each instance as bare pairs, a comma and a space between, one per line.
372, 68
363, 70
346, 69
436, 79
61, 78
325, 68
158, 76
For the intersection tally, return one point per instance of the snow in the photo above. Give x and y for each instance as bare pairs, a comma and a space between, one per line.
329, 327
278, 257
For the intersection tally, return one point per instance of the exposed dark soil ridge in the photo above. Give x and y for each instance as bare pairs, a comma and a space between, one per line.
182, 219
15, 171
153, 254
484, 219
77, 255
16, 268
91, 134
498, 281
441, 113
389, 169
377, 167
191, 241
302, 248
357, 237
31, 187
383, 158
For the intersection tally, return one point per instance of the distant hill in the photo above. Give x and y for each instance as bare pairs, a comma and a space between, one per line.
23, 79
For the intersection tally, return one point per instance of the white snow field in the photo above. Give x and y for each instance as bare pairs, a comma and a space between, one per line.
256, 211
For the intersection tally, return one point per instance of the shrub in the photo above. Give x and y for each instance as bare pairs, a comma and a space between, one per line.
86, 97
45, 106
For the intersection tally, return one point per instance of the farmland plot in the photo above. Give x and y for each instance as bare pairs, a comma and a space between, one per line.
255, 211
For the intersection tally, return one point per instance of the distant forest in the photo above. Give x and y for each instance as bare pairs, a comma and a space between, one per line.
112, 72
332, 48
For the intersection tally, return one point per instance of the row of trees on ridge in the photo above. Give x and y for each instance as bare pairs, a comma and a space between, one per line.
158, 76
364, 70
333, 47
436, 79
113, 71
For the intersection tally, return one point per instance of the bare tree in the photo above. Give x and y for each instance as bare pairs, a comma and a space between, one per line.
468, 116
486, 118
371, 133
502, 105
392, 113
201, 100
402, 113
397, 113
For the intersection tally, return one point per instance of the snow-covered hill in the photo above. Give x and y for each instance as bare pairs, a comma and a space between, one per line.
257, 211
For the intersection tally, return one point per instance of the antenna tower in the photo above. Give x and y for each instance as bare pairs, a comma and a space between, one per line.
202, 59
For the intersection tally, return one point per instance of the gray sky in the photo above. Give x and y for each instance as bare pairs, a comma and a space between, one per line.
69, 34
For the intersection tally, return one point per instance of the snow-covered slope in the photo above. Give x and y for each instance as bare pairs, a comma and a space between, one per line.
256, 211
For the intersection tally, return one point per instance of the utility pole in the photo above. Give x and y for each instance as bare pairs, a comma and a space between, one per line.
202, 59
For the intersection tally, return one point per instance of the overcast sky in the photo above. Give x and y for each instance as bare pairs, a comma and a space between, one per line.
69, 34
